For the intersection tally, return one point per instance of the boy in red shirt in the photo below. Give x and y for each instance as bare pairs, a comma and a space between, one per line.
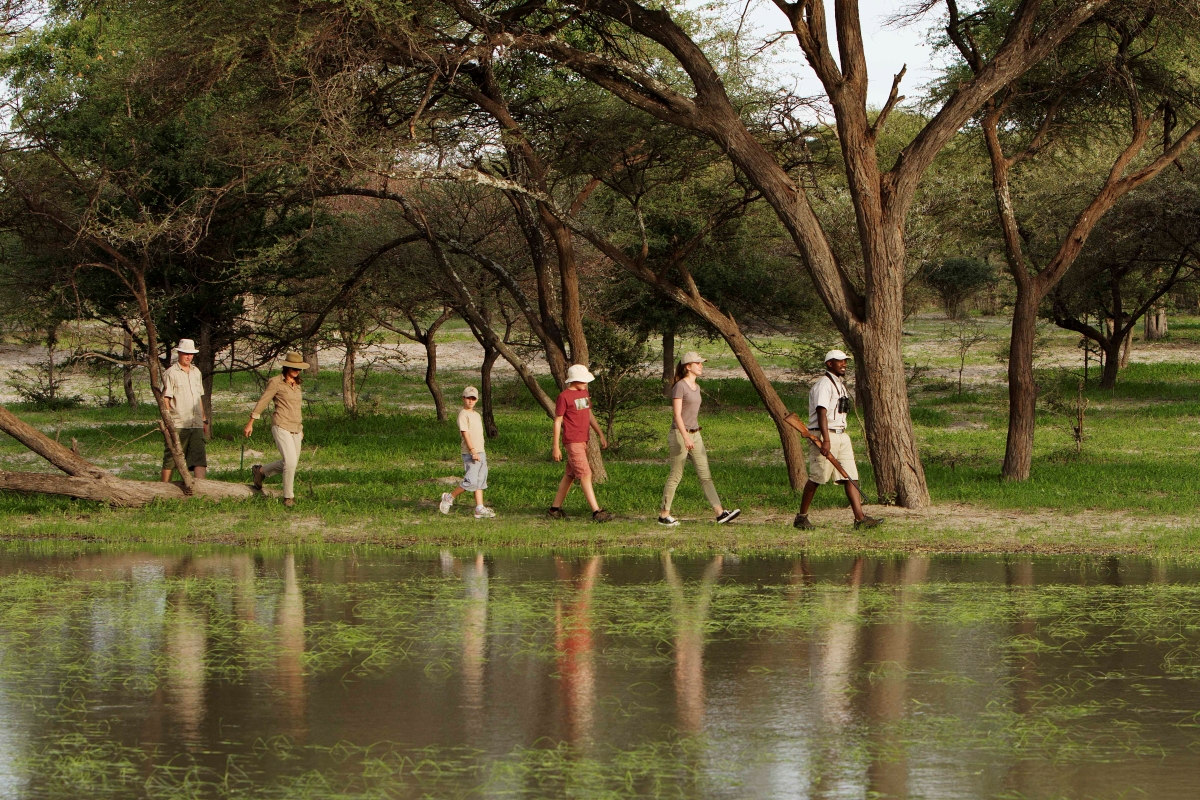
573, 423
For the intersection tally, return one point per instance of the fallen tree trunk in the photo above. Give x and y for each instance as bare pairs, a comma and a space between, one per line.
86, 481
118, 491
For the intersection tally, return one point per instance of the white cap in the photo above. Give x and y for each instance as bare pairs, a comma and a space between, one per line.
187, 346
578, 373
470, 392
835, 355
692, 357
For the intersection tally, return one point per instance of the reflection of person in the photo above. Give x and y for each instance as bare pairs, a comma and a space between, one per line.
475, 466
183, 387
287, 426
574, 423
689, 642
828, 404
686, 441
574, 644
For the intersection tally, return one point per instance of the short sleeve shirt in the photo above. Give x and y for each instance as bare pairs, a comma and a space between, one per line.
187, 390
691, 404
575, 407
472, 423
824, 394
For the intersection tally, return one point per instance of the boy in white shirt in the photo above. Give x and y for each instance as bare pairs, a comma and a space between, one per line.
470, 429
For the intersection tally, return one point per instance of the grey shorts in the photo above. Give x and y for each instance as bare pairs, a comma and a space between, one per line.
475, 473
192, 442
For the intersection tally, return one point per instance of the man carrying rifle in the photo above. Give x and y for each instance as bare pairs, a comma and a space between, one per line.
831, 457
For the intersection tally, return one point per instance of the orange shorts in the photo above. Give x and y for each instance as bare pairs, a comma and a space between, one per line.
577, 463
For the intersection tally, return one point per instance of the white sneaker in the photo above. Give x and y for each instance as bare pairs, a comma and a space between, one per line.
668, 521
483, 512
447, 501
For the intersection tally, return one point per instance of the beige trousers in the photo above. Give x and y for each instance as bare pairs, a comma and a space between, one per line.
289, 449
679, 456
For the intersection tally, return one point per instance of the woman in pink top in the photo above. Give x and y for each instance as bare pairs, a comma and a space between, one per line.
686, 441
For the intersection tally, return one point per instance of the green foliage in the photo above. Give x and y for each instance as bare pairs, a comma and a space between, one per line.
618, 360
957, 280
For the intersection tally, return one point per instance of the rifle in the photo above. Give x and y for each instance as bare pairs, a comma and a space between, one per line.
794, 421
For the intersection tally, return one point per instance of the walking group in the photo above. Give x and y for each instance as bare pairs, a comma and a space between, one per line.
830, 456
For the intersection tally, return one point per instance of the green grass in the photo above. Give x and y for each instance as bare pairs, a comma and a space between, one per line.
377, 476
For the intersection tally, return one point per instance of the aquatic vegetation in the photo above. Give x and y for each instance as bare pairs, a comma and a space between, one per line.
331, 674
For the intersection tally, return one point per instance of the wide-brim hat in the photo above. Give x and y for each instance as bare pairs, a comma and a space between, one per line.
294, 360
471, 391
186, 346
578, 373
836, 355
692, 357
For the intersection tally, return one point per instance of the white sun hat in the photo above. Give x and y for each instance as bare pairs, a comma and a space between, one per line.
835, 355
187, 346
692, 357
578, 373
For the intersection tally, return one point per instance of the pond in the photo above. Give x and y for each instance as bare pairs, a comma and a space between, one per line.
339, 672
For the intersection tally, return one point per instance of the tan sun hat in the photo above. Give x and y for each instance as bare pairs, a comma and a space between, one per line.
470, 391
692, 357
293, 360
578, 373
187, 346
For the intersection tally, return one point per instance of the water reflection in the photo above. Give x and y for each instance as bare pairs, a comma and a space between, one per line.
596, 676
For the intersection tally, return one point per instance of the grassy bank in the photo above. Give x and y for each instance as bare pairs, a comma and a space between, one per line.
1128, 487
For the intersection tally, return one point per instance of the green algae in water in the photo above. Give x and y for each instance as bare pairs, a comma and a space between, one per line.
273, 674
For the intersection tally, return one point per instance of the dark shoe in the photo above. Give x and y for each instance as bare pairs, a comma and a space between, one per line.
601, 516
668, 521
801, 523
258, 476
728, 516
867, 522
288, 502
555, 513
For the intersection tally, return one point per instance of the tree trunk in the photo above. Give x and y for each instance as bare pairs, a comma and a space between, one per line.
596, 461
431, 379
86, 481
1022, 390
206, 362
349, 390
1112, 361
1127, 347
891, 441
668, 360
490, 355
118, 492
1161, 322
127, 370
309, 348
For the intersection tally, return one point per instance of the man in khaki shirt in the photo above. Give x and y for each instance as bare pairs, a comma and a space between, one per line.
183, 387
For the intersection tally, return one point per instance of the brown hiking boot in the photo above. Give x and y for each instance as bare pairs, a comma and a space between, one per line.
601, 516
288, 502
867, 522
555, 513
257, 475
801, 523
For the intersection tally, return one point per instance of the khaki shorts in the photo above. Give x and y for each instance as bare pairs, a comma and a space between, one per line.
820, 469
577, 463
191, 441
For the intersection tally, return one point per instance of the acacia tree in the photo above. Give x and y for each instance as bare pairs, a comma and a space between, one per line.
1122, 75
1144, 249
651, 60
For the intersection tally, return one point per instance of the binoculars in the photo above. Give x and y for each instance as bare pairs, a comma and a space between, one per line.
844, 405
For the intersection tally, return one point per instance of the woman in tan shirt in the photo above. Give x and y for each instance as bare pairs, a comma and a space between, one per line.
286, 425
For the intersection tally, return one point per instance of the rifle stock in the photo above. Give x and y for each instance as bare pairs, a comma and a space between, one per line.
795, 422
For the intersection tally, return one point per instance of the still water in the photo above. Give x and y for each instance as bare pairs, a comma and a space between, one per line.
369, 673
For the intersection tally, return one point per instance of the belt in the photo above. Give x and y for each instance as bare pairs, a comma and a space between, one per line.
694, 430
